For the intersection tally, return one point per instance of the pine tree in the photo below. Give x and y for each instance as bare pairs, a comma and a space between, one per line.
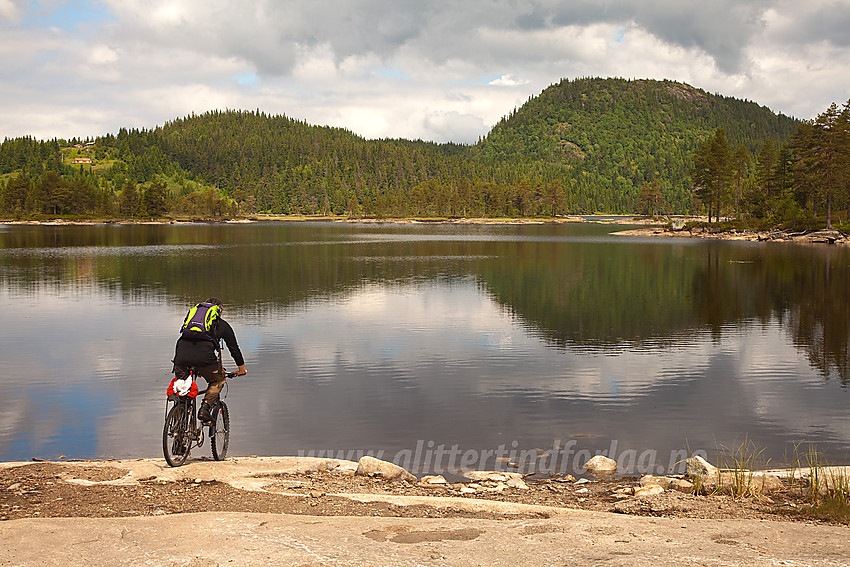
712, 173
651, 199
817, 145
740, 166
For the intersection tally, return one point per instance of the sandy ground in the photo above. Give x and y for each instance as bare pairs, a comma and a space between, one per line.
297, 511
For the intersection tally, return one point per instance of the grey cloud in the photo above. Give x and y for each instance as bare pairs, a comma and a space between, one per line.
721, 28
269, 34
829, 23
272, 37
441, 30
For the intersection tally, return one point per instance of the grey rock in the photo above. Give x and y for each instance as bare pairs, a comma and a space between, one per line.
370, 466
600, 464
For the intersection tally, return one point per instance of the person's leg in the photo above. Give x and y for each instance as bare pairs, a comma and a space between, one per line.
214, 375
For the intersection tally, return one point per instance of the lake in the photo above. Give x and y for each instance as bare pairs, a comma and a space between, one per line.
438, 346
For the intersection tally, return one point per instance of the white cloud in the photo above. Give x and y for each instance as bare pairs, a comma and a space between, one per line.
103, 54
508, 80
8, 11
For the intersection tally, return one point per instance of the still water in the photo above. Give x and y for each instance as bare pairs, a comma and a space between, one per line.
436, 346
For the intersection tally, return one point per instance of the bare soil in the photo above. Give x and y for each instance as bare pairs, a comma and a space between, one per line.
42, 489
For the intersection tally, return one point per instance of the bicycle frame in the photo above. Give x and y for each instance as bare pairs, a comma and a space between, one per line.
183, 431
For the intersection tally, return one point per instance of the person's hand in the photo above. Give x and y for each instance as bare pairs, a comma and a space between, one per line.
241, 371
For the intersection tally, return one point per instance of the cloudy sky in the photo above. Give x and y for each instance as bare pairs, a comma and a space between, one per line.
443, 70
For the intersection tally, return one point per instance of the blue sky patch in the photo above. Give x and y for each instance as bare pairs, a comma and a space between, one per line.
394, 74
621, 35
249, 79
67, 15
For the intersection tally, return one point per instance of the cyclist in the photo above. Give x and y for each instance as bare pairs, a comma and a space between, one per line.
203, 352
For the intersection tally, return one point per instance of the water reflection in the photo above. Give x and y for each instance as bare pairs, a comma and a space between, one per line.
385, 336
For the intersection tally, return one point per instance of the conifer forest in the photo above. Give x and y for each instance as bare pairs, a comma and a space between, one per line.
583, 146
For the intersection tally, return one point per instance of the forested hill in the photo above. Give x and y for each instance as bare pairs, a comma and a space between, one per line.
290, 166
582, 146
599, 140
607, 137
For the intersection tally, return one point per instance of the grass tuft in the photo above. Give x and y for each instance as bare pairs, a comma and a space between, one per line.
826, 489
738, 465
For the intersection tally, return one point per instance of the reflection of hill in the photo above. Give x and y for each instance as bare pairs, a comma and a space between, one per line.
254, 268
808, 290
595, 294
601, 294
607, 295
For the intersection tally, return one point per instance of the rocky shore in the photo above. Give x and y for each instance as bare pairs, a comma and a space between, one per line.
818, 237
265, 511
338, 487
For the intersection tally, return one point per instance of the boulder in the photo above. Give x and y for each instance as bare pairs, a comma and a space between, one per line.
652, 480
517, 483
370, 466
601, 465
480, 476
700, 468
566, 478
649, 490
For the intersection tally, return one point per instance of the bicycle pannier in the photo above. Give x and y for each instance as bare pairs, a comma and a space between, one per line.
184, 387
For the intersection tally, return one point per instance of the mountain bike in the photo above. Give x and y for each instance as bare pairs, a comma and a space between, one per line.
182, 430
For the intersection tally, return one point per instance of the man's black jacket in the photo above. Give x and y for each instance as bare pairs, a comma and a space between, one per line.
190, 352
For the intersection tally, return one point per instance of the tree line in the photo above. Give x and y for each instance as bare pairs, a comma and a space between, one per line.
805, 180
581, 146
41, 179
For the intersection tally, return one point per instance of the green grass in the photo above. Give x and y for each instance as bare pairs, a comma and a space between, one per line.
738, 464
820, 490
827, 509
826, 490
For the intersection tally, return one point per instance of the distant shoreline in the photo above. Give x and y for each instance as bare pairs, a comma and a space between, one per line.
605, 219
648, 227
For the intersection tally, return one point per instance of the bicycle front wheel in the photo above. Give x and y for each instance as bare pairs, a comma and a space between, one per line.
176, 441
220, 435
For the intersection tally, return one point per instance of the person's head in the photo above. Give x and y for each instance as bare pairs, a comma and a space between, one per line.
214, 301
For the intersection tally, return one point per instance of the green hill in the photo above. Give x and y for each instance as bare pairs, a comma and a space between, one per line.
601, 139
581, 146
289, 166
607, 137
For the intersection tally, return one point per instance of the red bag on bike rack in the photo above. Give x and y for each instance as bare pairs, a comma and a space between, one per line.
179, 388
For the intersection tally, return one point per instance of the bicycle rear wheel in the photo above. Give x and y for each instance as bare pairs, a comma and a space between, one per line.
220, 434
176, 441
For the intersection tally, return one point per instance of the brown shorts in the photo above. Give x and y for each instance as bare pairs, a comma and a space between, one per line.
212, 373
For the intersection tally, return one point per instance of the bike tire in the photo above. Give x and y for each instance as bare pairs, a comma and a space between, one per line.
176, 441
220, 433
